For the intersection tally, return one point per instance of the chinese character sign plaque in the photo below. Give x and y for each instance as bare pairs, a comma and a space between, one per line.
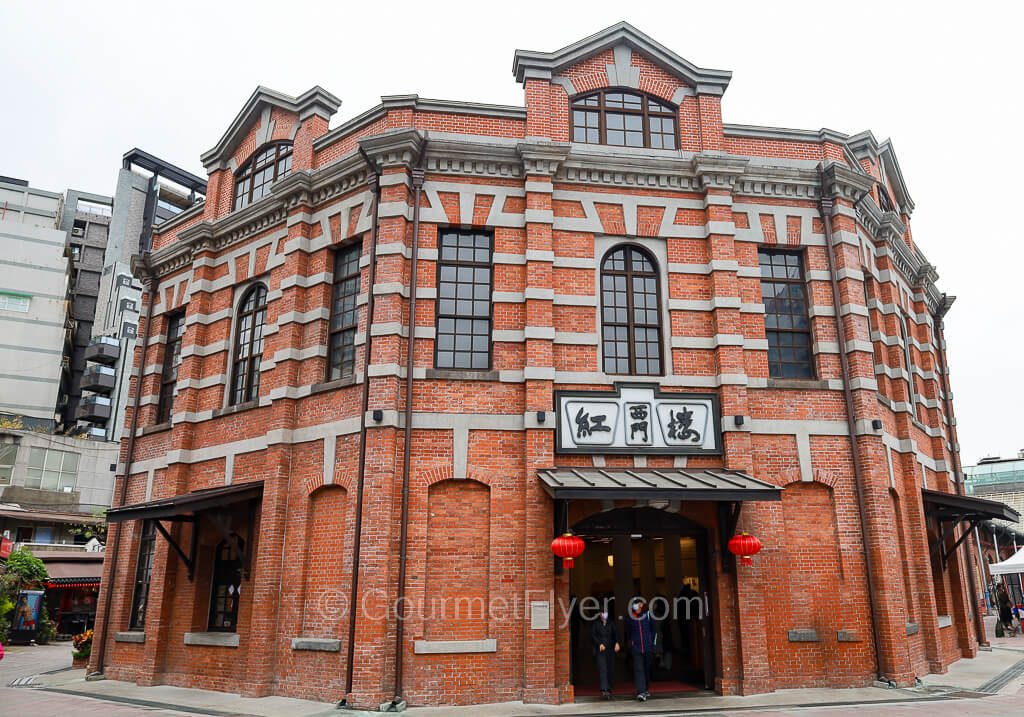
638, 419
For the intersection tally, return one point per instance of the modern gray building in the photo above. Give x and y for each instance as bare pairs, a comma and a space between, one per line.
86, 223
36, 324
149, 191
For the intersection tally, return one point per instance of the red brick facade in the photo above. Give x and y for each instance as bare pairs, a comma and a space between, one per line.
479, 524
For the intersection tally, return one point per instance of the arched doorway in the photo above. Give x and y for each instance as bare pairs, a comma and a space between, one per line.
663, 557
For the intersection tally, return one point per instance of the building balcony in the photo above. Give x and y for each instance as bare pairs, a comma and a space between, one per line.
95, 409
100, 379
104, 350
96, 433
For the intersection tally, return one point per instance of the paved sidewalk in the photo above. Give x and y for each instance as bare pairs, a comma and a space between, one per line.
967, 688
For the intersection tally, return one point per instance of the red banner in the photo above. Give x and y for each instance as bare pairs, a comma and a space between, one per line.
6, 545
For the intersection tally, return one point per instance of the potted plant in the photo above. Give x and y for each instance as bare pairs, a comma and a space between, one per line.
83, 648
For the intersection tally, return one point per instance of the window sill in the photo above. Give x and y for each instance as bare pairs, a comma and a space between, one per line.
238, 408
461, 374
133, 636
316, 644
332, 385
798, 384
215, 639
157, 428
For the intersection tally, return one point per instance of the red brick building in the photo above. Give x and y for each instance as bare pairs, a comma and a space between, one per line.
629, 318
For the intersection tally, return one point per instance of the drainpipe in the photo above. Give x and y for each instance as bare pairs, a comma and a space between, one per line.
958, 479
417, 185
123, 494
825, 207
373, 182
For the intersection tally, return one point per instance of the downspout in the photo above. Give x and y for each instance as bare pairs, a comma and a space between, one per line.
130, 452
417, 188
825, 207
373, 181
940, 354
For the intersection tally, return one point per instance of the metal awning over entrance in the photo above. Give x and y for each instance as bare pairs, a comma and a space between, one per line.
187, 508
655, 484
181, 506
953, 509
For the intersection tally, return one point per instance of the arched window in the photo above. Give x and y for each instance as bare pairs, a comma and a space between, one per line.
254, 179
631, 311
226, 587
623, 119
245, 373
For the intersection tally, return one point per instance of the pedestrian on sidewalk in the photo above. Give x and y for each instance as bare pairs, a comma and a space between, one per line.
1003, 600
641, 634
605, 641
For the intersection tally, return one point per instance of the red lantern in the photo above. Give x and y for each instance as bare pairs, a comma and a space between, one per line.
567, 547
744, 545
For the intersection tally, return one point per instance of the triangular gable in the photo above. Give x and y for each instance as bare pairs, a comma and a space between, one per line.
865, 145
621, 38
315, 101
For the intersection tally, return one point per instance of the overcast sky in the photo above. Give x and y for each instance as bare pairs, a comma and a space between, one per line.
85, 82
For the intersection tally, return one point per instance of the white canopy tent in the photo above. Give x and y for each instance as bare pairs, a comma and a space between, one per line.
1013, 564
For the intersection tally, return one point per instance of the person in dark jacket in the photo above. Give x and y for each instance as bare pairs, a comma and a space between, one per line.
641, 636
605, 641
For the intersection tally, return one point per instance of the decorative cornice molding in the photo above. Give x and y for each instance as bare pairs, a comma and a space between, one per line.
718, 171
841, 182
542, 157
394, 148
483, 158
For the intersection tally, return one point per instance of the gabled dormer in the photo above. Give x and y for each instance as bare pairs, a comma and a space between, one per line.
621, 89
269, 138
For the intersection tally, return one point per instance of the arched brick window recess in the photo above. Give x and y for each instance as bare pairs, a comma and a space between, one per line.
631, 312
248, 350
267, 165
623, 119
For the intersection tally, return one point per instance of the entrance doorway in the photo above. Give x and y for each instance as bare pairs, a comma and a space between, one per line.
661, 557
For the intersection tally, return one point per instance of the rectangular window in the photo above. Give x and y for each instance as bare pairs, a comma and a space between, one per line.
784, 293
52, 470
143, 569
8, 453
172, 360
464, 282
15, 302
344, 314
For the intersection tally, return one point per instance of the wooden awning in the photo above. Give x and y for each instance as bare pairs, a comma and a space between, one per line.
186, 505
956, 508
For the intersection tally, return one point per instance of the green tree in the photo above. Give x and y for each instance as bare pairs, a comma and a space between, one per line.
22, 571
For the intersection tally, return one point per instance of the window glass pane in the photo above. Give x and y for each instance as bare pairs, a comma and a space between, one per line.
464, 291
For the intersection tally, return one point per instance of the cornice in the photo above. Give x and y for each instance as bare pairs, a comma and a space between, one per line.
542, 157
779, 183
841, 182
718, 171
394, 148
481, 159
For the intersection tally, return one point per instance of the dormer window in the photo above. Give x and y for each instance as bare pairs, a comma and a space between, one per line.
623, 119
254, 179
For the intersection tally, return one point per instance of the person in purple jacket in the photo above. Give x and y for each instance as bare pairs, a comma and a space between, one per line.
641, 636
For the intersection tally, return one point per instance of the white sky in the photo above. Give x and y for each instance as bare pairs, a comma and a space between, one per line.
84, 82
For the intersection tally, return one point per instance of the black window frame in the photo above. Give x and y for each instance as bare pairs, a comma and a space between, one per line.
172, 361
249, 388
603, 107
774, 333
283, 150
631, 326
226, 572
441, 315
343, 336
904, 323
143, 575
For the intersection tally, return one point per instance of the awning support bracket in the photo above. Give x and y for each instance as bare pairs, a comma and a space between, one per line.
967, 532
189, 560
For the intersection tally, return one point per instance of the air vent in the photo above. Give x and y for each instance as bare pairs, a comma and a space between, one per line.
78, 231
